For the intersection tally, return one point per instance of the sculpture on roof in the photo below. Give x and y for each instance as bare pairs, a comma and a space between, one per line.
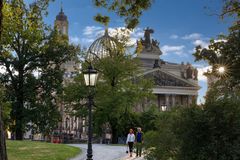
147, 36
149, 45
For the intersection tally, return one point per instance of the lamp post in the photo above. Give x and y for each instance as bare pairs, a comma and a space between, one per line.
90, 77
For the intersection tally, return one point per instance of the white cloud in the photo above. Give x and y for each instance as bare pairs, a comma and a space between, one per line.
174, 36
87, 40
172, 49
123, 33
135, 35
91, 30
201, 71
200, 42
191, 51
91, 33
192, 36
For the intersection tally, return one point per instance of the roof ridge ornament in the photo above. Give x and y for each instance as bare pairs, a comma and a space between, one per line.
106, 31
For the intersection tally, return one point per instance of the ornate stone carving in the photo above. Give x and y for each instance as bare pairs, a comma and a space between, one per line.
189, 73
163, 79
148, 44
195, 74
147, 36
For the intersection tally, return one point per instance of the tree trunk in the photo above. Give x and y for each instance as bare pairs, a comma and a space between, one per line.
3, 151
114, 134
19, 108
19, 118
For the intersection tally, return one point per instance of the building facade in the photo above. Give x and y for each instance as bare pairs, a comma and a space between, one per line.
71, 127
174, 84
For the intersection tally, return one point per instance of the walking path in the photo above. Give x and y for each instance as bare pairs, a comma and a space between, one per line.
105, 152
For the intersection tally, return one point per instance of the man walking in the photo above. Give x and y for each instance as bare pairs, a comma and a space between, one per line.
139, 142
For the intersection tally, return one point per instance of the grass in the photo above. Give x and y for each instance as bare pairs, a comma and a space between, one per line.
29, 150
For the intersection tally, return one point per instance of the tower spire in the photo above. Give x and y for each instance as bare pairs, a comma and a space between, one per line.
61, 6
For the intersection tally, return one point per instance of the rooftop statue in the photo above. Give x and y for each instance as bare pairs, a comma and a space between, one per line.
147, 36
149, 45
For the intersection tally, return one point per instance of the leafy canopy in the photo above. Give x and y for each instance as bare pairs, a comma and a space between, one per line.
131, 10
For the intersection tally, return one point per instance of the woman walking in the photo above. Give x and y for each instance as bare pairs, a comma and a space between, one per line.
130, 141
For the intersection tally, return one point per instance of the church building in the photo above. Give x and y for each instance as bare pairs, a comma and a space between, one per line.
70, 127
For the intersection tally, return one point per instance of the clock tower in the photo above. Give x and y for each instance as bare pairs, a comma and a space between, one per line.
61, 22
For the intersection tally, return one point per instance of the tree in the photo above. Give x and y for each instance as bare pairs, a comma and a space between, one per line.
116, 93
224, 53
131, 10
210, 133
203, 132
162, 143
148, 119
1, 6
3, 151
28, 47
232, 8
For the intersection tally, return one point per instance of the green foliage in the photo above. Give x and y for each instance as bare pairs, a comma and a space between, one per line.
6, 107
131, 10
117, 93
74, 95
102, 19
193, 133
224, 52
232, 8
115, 96
162, 143
148, 119
29, 46
209, 132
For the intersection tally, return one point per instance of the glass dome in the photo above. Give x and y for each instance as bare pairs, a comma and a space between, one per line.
103, 47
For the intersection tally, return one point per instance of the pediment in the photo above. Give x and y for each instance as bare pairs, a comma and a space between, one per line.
164, 78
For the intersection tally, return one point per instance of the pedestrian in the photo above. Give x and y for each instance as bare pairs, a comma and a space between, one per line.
130, 141
139, 142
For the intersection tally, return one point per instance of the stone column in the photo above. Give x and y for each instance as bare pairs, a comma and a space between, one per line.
167, 100
173, 100
189, 100
159, 101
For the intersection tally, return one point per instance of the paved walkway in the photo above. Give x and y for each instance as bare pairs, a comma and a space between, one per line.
104, 152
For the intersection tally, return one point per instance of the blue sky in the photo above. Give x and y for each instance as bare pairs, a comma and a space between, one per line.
179, 26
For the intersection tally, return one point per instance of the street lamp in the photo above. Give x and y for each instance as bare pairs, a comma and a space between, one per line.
90, 77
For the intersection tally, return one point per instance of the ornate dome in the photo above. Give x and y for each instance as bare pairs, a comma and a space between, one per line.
103, 47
